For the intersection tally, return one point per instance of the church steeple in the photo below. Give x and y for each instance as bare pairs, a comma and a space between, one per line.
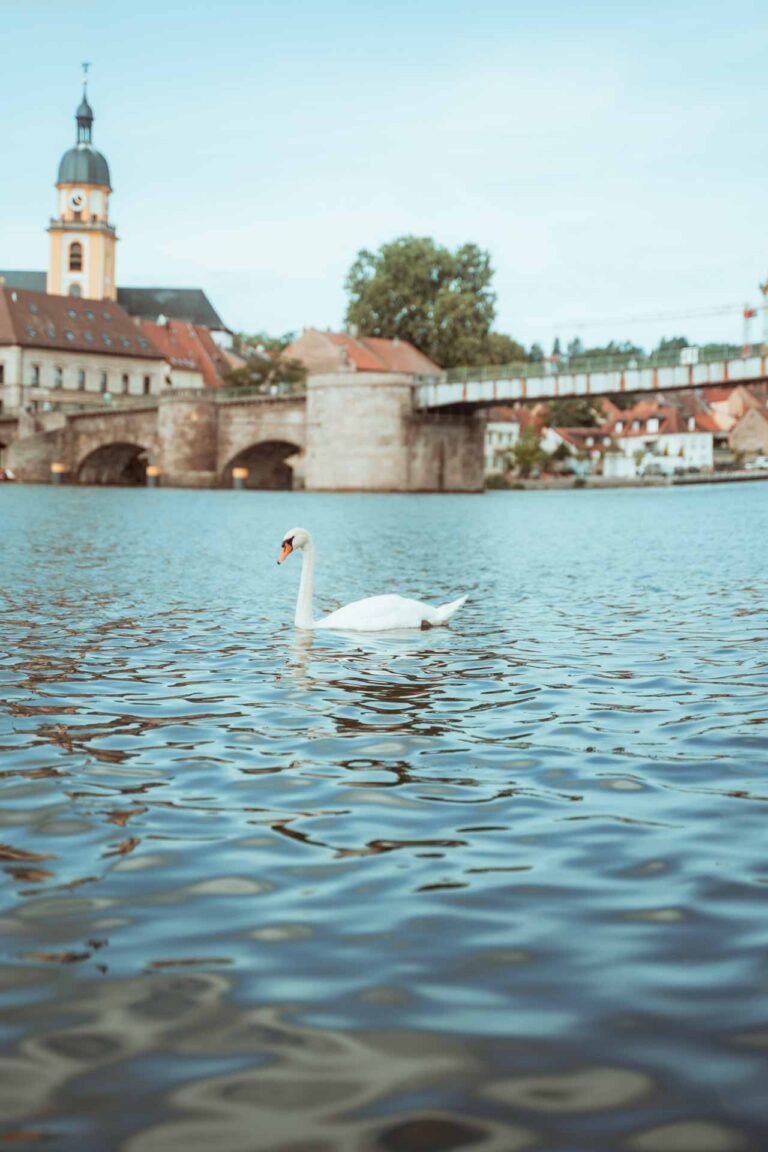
82, 239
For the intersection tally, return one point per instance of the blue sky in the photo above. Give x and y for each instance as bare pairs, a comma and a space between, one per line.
612, 157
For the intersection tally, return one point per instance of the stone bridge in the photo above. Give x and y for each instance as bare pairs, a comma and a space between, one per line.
349, 432
192, 439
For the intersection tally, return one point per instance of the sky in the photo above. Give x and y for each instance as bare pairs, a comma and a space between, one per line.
612, 158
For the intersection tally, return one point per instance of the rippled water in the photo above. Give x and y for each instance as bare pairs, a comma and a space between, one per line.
501, 886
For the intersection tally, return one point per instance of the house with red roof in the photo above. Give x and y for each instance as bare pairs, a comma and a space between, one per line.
194, 358
64, 349
682, 434
330, 352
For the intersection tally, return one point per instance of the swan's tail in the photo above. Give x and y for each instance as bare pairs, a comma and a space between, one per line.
444, 612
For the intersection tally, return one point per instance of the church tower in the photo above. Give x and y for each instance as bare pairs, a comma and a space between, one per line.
83, 242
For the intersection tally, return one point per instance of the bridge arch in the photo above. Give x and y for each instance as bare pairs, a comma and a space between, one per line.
121, 463
271, 464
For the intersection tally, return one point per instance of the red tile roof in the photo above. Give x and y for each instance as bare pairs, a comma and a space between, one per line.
70, 324
341, 351
190, 347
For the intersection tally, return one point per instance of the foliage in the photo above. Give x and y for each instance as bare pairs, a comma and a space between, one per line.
265, 366
573, 412
528, 455
501, 349
671, 344
250, 343
415, 289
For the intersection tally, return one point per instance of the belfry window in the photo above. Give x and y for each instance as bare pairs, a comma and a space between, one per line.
75, 257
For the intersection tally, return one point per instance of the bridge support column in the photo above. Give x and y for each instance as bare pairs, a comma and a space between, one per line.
188, 438
363, 434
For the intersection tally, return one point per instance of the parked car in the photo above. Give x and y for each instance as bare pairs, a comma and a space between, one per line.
757, 462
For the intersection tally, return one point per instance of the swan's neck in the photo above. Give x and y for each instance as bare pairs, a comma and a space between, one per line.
304, 602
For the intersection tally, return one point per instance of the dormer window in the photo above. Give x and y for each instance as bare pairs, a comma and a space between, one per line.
691, 423
635, 425
619, 425
652, 425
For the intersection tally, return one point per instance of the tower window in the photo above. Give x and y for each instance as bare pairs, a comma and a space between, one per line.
75, 256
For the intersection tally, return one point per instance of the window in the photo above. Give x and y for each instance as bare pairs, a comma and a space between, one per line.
652, 425
2, 374
147, 384
691, 423
81, 377
102, 382
89, 315
72, 313
619, 425
76, 256
124, 382
35, 375
69, 334
74, 289
58, 376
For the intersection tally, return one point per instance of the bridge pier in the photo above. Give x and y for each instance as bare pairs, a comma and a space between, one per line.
364, 434
187, 431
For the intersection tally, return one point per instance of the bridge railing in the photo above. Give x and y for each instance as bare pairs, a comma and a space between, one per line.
579, 365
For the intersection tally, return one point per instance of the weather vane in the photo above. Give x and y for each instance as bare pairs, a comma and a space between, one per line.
85, 66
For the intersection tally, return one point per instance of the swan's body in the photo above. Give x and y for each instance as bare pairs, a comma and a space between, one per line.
374, 614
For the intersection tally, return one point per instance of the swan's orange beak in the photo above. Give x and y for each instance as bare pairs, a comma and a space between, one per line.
287, 549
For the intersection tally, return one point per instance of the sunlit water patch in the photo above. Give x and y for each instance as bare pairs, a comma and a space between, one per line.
499, 886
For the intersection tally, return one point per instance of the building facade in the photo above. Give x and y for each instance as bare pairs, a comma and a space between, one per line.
58, 350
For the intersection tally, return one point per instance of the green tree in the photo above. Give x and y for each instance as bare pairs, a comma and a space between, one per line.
536, 353
501, 349
572, 412
265, 365
528, 454
415, 289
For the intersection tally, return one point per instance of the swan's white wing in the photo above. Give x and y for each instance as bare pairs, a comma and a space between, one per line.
379, 614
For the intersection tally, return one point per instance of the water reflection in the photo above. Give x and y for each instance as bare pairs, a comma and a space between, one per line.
498, 886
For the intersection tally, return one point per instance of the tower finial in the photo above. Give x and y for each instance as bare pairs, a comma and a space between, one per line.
86, 64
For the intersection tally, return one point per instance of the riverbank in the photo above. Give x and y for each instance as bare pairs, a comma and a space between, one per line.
567, 482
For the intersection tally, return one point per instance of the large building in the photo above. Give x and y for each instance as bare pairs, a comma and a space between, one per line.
83, 245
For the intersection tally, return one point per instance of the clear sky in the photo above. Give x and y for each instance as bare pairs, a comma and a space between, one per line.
612, 157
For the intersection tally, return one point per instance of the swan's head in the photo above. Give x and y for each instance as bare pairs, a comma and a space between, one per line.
293, 539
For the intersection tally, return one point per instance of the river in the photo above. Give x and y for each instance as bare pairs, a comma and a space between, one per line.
499, 886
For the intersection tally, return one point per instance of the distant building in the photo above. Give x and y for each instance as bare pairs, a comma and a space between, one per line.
684, 433
59, 349
330, 352
750, 434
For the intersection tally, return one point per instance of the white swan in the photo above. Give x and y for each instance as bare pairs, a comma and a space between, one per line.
374, 614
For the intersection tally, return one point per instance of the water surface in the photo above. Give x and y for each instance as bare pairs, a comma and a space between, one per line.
499, 886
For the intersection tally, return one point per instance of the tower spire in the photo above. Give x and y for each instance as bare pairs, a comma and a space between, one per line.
84, 114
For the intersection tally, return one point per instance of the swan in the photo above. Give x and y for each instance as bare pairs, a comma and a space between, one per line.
374, 614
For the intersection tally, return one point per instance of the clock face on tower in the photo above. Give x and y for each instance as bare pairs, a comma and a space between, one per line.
77, 199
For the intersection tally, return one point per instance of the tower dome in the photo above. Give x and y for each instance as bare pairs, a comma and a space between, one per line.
83, 164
